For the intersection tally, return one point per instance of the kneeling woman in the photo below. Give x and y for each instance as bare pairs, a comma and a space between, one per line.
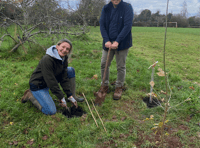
52, 70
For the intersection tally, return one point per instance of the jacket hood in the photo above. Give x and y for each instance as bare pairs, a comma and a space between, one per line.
53, 52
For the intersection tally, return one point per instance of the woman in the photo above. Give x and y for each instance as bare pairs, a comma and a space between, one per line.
52, 70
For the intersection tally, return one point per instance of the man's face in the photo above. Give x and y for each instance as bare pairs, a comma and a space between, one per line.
115, 2
63, 49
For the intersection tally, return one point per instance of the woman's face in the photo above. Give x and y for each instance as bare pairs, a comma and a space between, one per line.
115, 2
63, 49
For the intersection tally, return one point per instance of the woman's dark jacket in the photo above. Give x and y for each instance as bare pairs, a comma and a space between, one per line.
50, 71
124, 18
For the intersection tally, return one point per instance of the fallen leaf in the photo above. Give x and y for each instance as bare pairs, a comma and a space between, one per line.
162, 92
121, 136
191, 87
49, 122
198, 134
16, 84
152, 83
166, 121
45, 137
167, 134
151, 116
123, 118
161, 73
15, 142
11, 123
154, 128
83, 117
146, 119
188, 99
152, 94
114, 117
160, 69
30, 141
95, 76
25, 131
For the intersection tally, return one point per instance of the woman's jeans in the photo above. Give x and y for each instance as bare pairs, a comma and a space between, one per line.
44, 98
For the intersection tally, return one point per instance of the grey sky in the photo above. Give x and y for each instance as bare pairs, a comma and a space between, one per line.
175, 6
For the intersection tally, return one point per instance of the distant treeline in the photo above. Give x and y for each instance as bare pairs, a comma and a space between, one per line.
42, 10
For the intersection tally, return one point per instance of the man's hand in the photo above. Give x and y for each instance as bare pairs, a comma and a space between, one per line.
114, 45
108, 44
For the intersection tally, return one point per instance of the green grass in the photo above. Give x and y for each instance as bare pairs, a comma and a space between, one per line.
124, 119
182, 49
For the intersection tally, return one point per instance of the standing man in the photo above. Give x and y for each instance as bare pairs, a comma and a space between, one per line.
115, 25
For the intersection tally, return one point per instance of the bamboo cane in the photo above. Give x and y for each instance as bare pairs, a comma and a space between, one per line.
99, 116
90, 109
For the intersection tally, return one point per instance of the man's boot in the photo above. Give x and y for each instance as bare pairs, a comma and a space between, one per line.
118, 93
73, 89
29, 96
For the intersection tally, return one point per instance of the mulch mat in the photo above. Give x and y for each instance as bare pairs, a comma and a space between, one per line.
154, 102
72, 112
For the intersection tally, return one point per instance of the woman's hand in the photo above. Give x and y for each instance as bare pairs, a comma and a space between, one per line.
73, 101
63, 103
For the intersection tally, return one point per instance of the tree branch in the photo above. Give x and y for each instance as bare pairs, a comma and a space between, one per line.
9, 36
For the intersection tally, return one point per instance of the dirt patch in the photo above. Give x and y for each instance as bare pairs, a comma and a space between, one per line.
170, 141
73, 112
149, 104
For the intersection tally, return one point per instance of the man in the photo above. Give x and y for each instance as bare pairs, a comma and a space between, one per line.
115, 25
51, 71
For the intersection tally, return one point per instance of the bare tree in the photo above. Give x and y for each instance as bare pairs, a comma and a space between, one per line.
184, 11
88, 11
35, 17
198, 14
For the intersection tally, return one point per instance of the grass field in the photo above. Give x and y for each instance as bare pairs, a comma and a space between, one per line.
129, 123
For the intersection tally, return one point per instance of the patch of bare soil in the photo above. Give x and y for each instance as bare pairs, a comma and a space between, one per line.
170, 141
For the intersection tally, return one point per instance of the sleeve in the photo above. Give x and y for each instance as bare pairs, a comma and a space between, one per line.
47, 69
128, 21
65, 84
103, 27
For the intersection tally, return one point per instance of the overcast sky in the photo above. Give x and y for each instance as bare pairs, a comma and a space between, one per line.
175, 6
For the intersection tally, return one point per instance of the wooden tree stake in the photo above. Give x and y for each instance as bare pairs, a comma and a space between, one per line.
90, 109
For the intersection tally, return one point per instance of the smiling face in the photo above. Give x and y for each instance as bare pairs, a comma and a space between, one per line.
63, 49
115, 2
